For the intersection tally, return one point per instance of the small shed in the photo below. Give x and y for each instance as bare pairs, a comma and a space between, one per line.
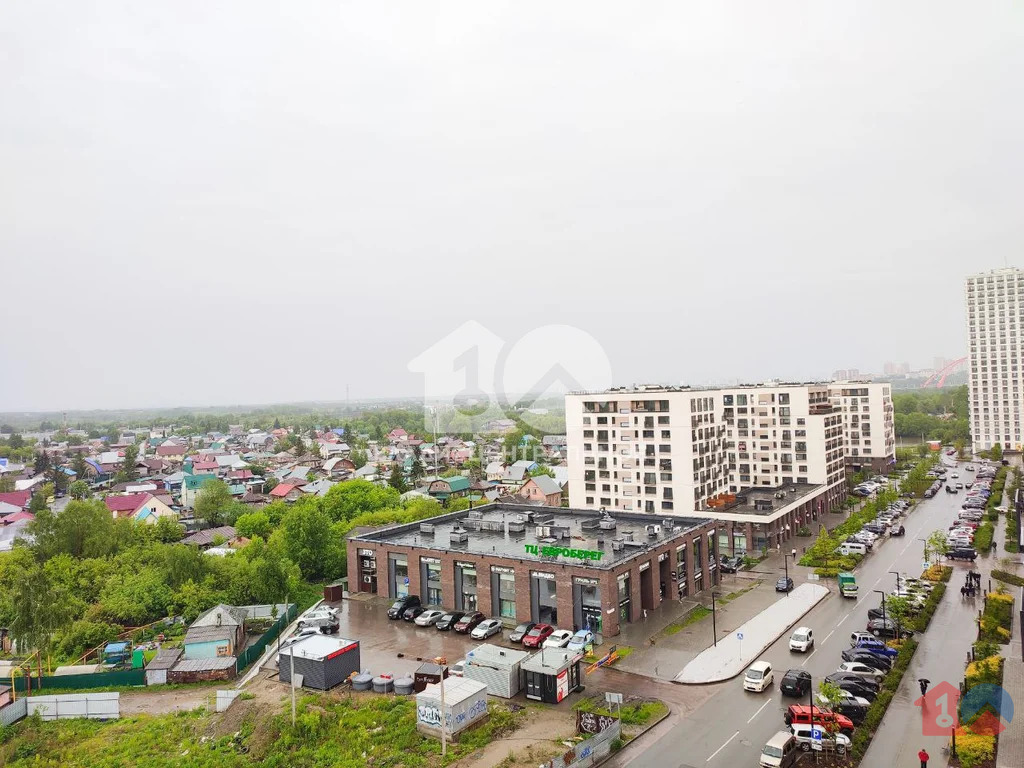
496, 667
465, 702
116, 653
156, 670
6, 695
322, 660
335, 592
77, 669
427, 674
552, 674
202, 670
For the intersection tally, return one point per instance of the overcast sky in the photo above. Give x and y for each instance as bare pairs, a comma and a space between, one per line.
236, 202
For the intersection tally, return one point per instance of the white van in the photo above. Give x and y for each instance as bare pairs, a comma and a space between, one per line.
781, 751
802, 640
852, 548
758, 677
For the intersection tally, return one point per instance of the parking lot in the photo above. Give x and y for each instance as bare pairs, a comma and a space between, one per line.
397, 646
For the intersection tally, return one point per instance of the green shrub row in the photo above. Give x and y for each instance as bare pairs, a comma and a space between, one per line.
1012, 534
983, 537
921, 621
1008, 578
866, 731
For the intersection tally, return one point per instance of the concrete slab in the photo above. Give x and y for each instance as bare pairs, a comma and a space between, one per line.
731, 656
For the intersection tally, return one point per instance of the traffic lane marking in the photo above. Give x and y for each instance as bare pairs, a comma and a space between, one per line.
808, 657
828, 636
715, 753
756, 714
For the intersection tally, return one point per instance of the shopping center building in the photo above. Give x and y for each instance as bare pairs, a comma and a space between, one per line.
571, 568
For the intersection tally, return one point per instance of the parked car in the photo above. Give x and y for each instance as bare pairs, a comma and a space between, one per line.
558, 639
731, 564
802, 640
401, 605
962, 553
448, 621
900, 531
858, 686
537, 635
801, 714
517, 634
874, 644
486, 628
796, 682
781, 751
887, 628
861, 669
581, 640
412, 613
469, 622
429, 617
784, 584
317, 617
458, 669
758, 677
838, 742
879, 662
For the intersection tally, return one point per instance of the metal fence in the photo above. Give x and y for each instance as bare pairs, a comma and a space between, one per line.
262, 611
83, 682
95, 706
589, 751
13, 712
254, 651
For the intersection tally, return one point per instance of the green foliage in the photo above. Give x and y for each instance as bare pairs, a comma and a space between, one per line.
397, 478
994, 624
1008, 578
214, 503
82, 529
923, 618
920, 413
83, 635
252, 524
996, 452
983, 537
936, 544
358, 457
79, 489
308, 540
354, 497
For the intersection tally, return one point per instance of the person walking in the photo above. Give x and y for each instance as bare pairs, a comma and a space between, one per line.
923, 757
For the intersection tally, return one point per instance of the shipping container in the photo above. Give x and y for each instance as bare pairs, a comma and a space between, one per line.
498, 668
465, 702
323, 661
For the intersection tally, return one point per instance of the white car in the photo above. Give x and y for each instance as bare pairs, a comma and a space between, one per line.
846, 698
428, 618
485, 629
802, 640
861, 670
558, 639
802, 734
458, 668
581, 640
758, 677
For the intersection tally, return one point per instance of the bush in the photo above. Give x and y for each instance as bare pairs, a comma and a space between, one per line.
983, 537
1008, 578
974, 749
983, 649
995, 621
988, 670
920, 622
938, 572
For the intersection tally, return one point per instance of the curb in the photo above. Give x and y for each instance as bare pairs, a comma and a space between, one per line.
650, 727
762, 648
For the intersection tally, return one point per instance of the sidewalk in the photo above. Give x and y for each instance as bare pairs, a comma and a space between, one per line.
941, 655
732, 654
1011, 741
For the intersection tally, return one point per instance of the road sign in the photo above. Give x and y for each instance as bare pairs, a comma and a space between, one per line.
739, 635
613, 698
816, 736
813, 577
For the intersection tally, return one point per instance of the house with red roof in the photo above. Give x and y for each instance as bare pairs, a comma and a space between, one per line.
171, 452
144, 507
285, 491
397, 435
204, 466
17, 498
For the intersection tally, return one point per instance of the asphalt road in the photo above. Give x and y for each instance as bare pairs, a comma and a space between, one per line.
731, 728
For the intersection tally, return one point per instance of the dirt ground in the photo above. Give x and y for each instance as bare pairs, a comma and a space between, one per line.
537, 741
158, 702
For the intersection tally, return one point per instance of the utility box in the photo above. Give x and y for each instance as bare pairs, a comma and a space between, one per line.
323, 661
334, 593
496, 667
427, 674
552, 674
465, 702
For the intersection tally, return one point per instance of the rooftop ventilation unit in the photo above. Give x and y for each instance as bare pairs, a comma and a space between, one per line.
459, 536
517, 527
608, 523
653, 530
618, 545
427, 528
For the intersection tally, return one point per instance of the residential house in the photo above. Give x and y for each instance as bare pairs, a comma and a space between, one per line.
397, 435
144, 507
338, 468
19, 499
259, 441
190, 487
318, 487
205, 539
494, 471
448, 487
286, 492
171, 452
542, 490
216, 633
330, 450
13, 526
204, 467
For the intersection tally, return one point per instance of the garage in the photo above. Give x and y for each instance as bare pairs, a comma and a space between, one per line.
322, 661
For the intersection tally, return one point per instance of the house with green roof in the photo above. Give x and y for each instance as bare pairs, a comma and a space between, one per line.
190, 487
443, 488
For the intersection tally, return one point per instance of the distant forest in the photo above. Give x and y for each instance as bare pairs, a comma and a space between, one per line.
934, 414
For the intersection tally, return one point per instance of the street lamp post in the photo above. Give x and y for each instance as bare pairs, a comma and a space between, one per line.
714, 626
882, 593
897, 575
925, 547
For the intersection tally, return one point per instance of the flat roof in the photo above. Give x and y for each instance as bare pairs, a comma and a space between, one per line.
456, 690
495, 655
318, 647
555, 535
763, 504
653, 389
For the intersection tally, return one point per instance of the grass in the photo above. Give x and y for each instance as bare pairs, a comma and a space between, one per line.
733, 595
983, 537
633, 713
1008, 578
347, 732
692, 617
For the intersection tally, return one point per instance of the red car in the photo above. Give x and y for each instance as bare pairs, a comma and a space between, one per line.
537, 635
468, 622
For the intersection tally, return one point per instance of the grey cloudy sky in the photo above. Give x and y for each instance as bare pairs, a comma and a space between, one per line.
231, 202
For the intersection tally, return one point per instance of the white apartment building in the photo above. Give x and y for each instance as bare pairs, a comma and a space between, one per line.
763, 459
995, 331
869, 425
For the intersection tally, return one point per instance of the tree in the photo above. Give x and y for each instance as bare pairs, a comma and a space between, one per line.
80, 467
352, 497
830, 694
417, 471
397, 479
252, 524
961, 445
83, 529
922, 450
42, 462
936, 544
16, 441
823, 547
168, 530
6, 484
39, 499
358, 458
308, 539
997, 452
58, 477
897, 609
39, 609
542, 471
79, 489
277, 423
212, 502
128, 473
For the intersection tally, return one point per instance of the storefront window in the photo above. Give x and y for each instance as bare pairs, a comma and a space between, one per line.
434, 596
466, 585
398, 567
739, 543
625, 606
507, 595
544, 597
590, 603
